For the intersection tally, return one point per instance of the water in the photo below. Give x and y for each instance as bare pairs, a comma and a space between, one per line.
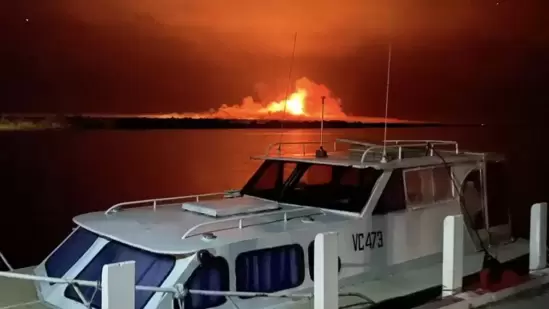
49, 177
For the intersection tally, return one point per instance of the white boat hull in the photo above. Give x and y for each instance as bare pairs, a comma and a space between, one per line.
21, 294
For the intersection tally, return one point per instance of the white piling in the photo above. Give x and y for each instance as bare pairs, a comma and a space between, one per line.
118, 286
452, 255
326, 289
538, 236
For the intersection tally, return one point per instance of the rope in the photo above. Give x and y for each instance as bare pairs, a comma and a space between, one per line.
179, 294
5, 261
462, 203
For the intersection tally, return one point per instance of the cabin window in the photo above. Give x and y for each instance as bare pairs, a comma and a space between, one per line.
150, 269
318, 185
269, 179
443, 183
392, 198
428, 185
212, 276
318, 175
331, 187
70, 251
270, 270
311, 254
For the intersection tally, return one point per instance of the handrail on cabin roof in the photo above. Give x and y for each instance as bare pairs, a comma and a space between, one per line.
240, 219
402, 145
399, 145
227, 194
156, 201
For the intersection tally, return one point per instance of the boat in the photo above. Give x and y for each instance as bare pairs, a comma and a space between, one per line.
387, 202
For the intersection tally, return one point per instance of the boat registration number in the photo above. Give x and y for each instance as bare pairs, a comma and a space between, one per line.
370, 240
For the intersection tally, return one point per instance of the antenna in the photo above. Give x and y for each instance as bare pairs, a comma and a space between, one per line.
287, 94
322, 121
321, 153
384, 155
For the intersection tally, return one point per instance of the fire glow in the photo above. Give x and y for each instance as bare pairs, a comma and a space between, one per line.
295, 105
303, 103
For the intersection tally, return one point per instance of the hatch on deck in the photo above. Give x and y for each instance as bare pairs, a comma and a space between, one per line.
229, 207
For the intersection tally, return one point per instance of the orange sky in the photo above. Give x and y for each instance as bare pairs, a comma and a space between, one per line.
328, 26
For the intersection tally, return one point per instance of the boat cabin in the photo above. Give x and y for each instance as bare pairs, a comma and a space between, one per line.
365, 178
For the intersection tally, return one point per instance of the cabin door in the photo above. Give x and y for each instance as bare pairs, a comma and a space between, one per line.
489, 213
472, 199
498, 207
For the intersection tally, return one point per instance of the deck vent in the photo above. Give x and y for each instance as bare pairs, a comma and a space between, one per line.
230, 206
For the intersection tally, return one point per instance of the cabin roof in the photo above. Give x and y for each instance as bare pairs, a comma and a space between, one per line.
400, 153
160, 230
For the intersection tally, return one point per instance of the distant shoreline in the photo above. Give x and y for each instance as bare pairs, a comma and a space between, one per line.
146, 123
141, 123
26, 126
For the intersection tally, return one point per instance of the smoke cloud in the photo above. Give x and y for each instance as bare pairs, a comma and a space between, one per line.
304, 102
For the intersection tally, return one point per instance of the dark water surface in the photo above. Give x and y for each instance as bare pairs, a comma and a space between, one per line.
49, 177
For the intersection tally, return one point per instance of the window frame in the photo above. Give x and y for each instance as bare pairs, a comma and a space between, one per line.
395, 180
93, 237
311, 260
249, 186
225, 282
304, 167
300, 170
300, 265
69, 289
433, 201
451, 179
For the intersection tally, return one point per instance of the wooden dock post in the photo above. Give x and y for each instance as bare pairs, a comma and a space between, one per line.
326, 284
452, 255
538, 236
118, 286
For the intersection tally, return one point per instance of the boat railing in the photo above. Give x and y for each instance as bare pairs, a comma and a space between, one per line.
240, 219
353, 142
5, 261
279, 147
170, 200
177, 291
402, 147
366, 149
434, 143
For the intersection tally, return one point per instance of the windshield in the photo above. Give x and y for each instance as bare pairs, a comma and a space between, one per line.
318, 185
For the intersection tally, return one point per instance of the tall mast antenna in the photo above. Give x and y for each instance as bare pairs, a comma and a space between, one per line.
322, 122
287, 94
384, 156
321, 153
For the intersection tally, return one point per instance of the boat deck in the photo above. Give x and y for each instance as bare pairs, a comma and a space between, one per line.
534, 299
19, 294
416, 281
